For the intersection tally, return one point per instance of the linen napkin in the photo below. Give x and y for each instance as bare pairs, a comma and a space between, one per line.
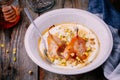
111, 16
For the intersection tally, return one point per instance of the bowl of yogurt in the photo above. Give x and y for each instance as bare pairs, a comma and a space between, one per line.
76, 41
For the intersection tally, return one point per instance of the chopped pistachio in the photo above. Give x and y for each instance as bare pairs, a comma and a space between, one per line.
92, 39
52, 60
72, 54
75, 63
78, 58
60, 35
30, 72
67, 42
63, 61
86, 39
2, 45
63, 36
86, 53
72, 34
66, 30
14, 51
63, 64
92, 42
64, 39
89, 49
7, 51
59, 59
14, 59
93, 48
81, 35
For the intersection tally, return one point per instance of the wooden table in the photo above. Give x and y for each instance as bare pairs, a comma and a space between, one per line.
14, 38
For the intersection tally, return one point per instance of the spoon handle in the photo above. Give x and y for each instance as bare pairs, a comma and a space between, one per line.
31, 19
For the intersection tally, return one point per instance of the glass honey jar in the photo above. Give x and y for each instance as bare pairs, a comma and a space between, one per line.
40, 6
9, 13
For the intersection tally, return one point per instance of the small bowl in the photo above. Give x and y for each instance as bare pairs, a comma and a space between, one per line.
69, 15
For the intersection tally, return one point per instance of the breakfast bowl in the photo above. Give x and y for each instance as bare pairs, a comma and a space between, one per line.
65, 18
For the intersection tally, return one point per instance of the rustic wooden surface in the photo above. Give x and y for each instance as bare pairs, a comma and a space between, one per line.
14, 38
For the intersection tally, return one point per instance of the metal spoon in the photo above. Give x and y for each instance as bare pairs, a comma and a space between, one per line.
30, 18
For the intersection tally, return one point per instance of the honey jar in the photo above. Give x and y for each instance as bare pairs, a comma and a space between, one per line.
9, 13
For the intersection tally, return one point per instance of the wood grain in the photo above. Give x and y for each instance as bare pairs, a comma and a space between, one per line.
14, 38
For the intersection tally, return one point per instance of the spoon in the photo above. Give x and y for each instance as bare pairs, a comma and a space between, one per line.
31, 19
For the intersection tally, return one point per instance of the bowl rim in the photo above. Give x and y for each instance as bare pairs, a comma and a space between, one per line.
72, 73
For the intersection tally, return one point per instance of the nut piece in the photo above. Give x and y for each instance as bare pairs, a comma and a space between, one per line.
88, 49
92, 42
86, 53
14, 59
30, 72
72, 54
77, 58
2, 45
14, 51
7, 51
92, 39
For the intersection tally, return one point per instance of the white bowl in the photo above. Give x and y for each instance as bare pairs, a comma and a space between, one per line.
69, 15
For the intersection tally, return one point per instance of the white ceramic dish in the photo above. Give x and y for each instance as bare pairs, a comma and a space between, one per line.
69, 15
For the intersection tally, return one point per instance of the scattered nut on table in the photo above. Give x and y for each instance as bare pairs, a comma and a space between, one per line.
30, 72
14, 59
14, 51
7, 51
2, 45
